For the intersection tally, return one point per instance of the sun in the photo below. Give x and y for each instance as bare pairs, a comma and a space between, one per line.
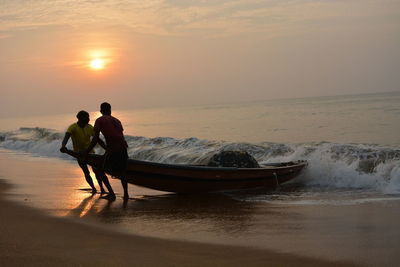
97, 64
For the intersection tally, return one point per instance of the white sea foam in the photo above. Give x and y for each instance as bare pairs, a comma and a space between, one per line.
347, 166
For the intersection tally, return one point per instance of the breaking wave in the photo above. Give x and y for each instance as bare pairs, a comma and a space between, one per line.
331, 165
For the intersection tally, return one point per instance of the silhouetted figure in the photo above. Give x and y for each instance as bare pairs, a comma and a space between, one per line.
116, 156
81, 133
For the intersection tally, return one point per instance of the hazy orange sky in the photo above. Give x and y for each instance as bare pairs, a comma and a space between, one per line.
166, 53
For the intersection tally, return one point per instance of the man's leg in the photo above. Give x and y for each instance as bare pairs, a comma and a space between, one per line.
117, 162
87, 175
104, 178
124, 184
99, 178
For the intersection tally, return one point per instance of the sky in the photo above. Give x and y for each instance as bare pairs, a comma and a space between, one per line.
59, 56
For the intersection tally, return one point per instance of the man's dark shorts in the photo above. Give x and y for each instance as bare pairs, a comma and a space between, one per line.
115, 161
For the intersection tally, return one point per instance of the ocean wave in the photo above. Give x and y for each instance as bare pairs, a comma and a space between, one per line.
331, 165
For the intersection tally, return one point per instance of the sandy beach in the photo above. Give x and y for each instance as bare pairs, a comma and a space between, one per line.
29, 237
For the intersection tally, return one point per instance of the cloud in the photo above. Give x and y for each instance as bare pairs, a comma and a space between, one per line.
186, 17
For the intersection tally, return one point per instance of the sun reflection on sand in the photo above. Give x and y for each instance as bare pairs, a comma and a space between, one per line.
87, 205
84, 204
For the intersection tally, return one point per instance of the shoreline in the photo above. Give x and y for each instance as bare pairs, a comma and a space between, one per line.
30, 237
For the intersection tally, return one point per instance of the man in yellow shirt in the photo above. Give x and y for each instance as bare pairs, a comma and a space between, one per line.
81, 133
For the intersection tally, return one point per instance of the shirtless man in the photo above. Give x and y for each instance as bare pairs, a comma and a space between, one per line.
116, 152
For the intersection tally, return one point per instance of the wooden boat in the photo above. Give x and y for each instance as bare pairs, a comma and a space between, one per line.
181, 178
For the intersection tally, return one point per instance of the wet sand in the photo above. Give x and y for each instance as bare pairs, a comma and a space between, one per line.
29, 237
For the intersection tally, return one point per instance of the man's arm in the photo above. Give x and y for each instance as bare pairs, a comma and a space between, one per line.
64, 142
102, 144
95, 139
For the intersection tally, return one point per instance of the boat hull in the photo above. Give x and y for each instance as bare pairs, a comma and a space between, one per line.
202, 179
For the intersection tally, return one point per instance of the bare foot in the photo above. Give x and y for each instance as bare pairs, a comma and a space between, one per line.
109, 197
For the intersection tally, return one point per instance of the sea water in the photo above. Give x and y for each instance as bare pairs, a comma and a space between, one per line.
352, 145
350, 142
